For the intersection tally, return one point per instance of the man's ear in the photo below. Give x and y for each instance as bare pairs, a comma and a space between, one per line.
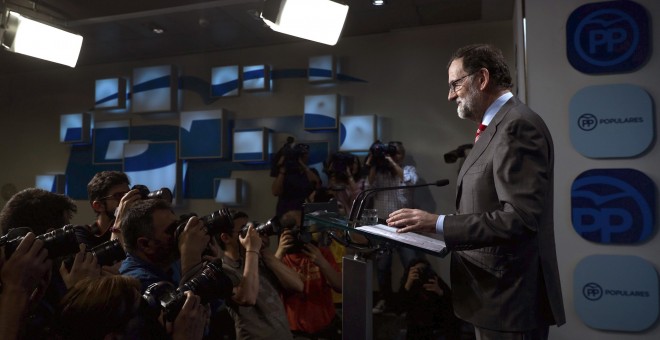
143, 245
224, 237
98, 206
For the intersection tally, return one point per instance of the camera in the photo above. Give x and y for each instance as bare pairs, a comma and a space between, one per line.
339, 162
270, 228
59, 242
216, 222
162, 193
425, 274
209, 284
290, 153
301, 236
379, 151
106, 253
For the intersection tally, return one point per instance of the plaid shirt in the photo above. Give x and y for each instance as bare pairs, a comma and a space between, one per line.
391, 200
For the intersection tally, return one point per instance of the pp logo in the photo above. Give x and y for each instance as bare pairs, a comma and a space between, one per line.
587, 122
613, 206
608, 37
592, 291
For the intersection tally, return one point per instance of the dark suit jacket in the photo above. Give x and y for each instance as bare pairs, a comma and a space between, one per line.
503, 264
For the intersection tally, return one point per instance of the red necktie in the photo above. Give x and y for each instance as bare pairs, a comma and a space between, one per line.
479, 131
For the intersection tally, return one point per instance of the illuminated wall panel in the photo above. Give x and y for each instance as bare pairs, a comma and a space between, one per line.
75, 128
52, 182
155, 89
256, 78
252, 145
153, 164
321, 112
357, 133
204, 134
225, 81
322, 69
110, 94
228, 191
109, 140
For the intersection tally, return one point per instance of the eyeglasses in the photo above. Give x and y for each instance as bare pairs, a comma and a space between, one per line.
458, 83
116, 196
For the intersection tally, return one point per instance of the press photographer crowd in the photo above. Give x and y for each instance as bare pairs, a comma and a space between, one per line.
139, 271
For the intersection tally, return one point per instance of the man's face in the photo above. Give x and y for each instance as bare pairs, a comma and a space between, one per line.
464, 90
162, 246
110, 201
238, 225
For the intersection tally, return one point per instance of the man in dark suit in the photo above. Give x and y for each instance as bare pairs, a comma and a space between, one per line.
504, 273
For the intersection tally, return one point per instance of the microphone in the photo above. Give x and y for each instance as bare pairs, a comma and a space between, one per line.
358, 204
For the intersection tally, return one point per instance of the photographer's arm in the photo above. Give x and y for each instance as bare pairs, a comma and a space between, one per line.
330, 272
192, 242
398, 171
288, 277
245, 294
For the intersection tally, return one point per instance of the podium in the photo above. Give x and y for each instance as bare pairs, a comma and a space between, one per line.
357, 273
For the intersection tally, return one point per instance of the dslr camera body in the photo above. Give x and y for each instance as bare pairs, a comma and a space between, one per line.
162, 193
339, 162
291, 154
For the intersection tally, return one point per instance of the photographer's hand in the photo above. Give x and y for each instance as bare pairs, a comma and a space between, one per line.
398, 171
192, 319
413, 275
286, 242
192, 242
245, 294
433, 286
84, 265
22, 276
127, 201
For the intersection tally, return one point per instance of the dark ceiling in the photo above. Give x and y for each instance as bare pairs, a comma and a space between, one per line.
123, 30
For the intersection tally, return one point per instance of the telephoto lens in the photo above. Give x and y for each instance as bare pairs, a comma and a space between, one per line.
210, 284
59, 242
162, 193
106, 253
215, 222
270, 228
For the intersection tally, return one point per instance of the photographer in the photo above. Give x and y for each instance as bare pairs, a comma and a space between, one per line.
23, 278
386, 169
294, 180
86, 313
344, 181
426, 300
42, 212
311, 313
256, 306
153, 254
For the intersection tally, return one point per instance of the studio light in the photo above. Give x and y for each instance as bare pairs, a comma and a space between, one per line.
316, 20
26, 36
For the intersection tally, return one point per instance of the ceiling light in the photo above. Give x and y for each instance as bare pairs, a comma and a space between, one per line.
26, 36
316, 20
378, 2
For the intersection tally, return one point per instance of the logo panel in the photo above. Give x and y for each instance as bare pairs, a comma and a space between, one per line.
613, 206
611, 121
616, 293
608, 37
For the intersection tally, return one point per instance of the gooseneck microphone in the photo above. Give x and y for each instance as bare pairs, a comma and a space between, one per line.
358, 204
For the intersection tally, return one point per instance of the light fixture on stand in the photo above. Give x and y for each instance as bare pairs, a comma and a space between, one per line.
316, 20
22, 35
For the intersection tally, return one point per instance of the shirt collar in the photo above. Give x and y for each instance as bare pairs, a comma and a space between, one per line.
494, 107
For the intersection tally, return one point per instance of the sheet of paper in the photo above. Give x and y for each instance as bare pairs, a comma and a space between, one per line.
418, 240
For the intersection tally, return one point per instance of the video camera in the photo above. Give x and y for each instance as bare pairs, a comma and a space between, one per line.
106, 253
162, 193
291, 153
379, 151
59, 242
210, 284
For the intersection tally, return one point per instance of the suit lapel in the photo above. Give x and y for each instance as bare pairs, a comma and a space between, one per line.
484, 140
